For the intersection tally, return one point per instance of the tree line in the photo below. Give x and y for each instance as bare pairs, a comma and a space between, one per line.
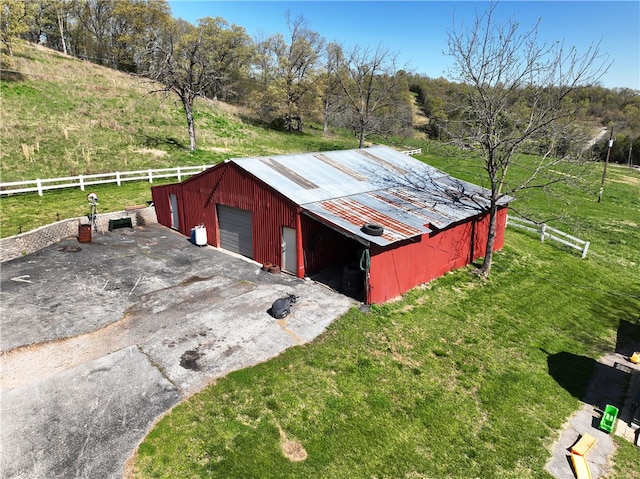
290, 79
619, 108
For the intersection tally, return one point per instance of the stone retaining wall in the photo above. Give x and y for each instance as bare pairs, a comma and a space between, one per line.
32, 241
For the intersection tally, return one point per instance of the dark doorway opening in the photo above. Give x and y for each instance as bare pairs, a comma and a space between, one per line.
334, 259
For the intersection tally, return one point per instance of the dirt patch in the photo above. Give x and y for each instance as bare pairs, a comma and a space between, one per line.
152, 152
285, 327
217, 149
293, 451
626, 180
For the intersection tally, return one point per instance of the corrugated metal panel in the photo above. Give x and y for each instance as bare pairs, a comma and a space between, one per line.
236, 231
384, 161
290, 174
342, 188
406, 196
357, 172
161, 200
226, 184
351, 213
396, 270
436, 211
339, 166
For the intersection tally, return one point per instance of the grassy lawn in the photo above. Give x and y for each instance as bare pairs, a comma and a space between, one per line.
459, 378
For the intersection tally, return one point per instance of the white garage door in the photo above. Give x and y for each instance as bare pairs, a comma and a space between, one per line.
235, 230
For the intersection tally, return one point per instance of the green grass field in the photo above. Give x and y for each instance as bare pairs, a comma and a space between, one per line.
459, 378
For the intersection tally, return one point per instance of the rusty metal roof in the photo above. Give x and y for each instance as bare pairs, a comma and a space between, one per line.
380, 185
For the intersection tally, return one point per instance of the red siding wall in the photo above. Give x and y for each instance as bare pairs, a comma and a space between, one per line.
398, 269
160, 196
228, 185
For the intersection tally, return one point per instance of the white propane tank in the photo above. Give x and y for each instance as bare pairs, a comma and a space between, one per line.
201, 235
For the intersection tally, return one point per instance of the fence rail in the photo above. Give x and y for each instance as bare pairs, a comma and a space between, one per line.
417, 151
82, 181
545, 231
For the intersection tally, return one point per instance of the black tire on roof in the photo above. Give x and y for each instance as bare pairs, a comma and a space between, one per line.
372, 229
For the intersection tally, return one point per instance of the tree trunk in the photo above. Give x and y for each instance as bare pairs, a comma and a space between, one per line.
187, 103
361, 134
325, 116
61, 29
491, 238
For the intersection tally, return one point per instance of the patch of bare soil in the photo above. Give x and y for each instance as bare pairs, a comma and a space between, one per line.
217, 149
285, 327
153, 152
294, 451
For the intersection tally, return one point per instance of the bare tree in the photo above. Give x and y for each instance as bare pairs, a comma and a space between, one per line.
518, 94
373, 87
296, 68
191, 61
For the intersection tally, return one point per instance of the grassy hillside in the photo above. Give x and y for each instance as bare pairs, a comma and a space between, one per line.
65, 117
62, 116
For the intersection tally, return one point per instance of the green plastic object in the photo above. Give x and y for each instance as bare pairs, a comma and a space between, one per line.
608, 418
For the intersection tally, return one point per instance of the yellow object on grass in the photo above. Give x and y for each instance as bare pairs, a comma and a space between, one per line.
580, 466
584, 445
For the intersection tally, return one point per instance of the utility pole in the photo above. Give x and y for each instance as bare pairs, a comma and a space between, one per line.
606, 162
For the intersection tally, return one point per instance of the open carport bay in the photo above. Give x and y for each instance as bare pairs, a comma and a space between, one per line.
99, 339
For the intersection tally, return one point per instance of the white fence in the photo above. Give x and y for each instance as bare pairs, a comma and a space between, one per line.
83, 181
546, 231
417, 151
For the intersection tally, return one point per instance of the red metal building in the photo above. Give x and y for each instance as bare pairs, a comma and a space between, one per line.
383, 221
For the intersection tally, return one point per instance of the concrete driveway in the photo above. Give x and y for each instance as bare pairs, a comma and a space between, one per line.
100, 339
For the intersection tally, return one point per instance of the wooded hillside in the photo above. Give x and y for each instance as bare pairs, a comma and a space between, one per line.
288, 81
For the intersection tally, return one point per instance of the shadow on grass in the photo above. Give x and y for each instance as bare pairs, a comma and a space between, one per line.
11, 76
156, 142
572, 372
252, 120
593, 382
628, 339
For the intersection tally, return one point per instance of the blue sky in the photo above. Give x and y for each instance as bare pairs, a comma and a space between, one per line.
417, 30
